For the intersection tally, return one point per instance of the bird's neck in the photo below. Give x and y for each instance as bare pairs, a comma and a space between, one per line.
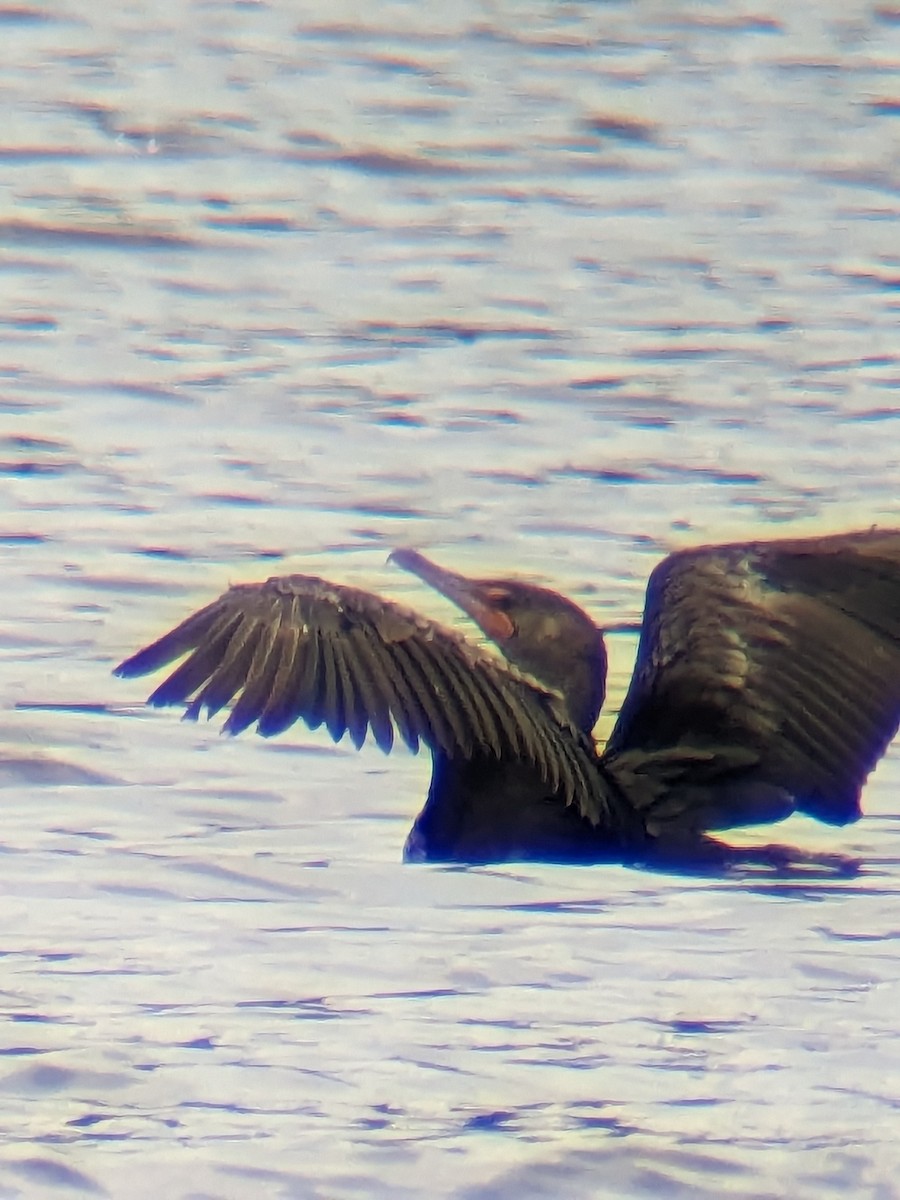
584, 684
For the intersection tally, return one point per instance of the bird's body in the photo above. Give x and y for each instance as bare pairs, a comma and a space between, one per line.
767, 681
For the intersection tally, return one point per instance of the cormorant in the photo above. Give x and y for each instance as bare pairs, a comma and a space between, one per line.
767, 681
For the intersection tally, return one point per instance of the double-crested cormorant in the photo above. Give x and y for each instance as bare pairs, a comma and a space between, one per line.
767, 682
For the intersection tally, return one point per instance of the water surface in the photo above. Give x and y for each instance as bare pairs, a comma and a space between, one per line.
549, 289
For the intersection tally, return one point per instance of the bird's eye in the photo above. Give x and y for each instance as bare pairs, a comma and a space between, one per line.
499, 597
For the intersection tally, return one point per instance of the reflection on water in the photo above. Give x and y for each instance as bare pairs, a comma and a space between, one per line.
548, 291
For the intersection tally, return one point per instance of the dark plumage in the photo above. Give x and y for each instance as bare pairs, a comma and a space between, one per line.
767, 681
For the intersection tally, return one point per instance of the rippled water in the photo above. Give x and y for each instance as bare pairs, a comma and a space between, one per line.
542, 288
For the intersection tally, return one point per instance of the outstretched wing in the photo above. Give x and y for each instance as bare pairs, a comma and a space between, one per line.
767, 679
300, 647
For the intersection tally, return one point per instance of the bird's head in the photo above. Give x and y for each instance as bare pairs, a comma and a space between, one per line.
539, 631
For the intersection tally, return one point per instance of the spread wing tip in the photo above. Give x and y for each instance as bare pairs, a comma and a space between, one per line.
145, 662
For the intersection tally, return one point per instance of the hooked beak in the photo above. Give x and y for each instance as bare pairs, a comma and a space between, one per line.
477, 599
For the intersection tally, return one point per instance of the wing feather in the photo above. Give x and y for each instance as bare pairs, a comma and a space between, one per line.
298, 647
475, 689
437, 730
278, 710
502, 715
402, 708
373, 697
261, 673
788, 651
228, 677
202, 662
331, 693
